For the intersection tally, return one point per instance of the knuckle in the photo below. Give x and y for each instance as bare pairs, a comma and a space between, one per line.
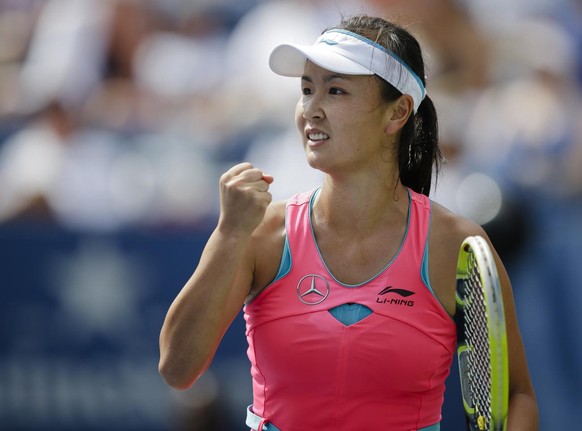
224, 178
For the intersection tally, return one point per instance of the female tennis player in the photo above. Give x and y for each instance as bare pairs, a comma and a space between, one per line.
349, 289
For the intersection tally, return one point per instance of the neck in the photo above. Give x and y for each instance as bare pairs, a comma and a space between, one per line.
353, 206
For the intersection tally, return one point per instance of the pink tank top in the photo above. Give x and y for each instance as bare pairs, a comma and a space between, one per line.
384, 372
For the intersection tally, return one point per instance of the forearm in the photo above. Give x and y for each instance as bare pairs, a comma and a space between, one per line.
203, 310
523, 413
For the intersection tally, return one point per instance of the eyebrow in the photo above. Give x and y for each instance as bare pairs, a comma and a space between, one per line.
326, 78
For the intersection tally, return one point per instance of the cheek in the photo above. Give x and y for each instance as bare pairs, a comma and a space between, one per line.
299, 120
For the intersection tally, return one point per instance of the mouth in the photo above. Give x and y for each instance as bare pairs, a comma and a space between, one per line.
317, 137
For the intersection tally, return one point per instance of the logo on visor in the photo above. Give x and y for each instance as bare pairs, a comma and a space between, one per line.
312, 289
329, 42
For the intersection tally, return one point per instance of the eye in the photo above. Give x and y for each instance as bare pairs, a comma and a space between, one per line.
336, 91
306, 91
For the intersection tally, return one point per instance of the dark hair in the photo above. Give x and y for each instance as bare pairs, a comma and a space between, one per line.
418, 150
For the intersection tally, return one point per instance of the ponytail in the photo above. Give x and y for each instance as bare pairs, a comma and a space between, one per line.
418, 151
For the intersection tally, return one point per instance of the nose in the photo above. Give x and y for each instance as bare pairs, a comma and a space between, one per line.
312, 108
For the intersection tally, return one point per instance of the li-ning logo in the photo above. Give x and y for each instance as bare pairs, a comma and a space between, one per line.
396, 301
312, 289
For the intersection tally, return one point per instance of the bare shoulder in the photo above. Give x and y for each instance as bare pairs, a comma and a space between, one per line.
267, 246
447, 233
448, 230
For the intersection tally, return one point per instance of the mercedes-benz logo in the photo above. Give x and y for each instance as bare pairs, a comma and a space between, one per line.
312, 289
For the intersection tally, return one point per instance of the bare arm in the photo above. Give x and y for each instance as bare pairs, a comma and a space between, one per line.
215, 293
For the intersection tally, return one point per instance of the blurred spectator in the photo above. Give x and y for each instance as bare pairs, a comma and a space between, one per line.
30, 162
569, 15
536, 100
17, 23
65, 59
98, 147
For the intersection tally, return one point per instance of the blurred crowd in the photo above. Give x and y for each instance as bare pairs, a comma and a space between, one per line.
121, 114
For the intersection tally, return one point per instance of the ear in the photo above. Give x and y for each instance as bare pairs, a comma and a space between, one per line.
398, 113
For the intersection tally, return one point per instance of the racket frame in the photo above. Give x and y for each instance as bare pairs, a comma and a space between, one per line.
475, 247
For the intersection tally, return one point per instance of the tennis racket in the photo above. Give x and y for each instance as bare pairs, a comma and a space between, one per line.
481, 338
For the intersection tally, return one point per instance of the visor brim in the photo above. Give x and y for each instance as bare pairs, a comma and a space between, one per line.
289, 60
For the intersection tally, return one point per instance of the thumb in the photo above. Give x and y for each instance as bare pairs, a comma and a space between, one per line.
268, 178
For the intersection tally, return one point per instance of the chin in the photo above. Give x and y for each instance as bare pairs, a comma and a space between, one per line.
313, 161
318, 164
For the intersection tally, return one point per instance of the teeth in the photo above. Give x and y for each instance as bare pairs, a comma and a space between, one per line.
317, 136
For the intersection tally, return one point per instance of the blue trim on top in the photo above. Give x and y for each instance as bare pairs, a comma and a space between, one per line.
435, 427
424, 266
285, 265
385, 50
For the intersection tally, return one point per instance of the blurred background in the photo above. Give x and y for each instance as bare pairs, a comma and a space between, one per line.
117, 118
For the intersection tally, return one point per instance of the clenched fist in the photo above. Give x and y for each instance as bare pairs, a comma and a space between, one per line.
244, 197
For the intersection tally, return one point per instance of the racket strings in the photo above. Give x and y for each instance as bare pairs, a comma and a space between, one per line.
477, 338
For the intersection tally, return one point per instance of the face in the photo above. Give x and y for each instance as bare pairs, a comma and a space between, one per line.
341, 119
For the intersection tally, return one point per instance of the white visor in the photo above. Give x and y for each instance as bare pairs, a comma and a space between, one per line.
342, 51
